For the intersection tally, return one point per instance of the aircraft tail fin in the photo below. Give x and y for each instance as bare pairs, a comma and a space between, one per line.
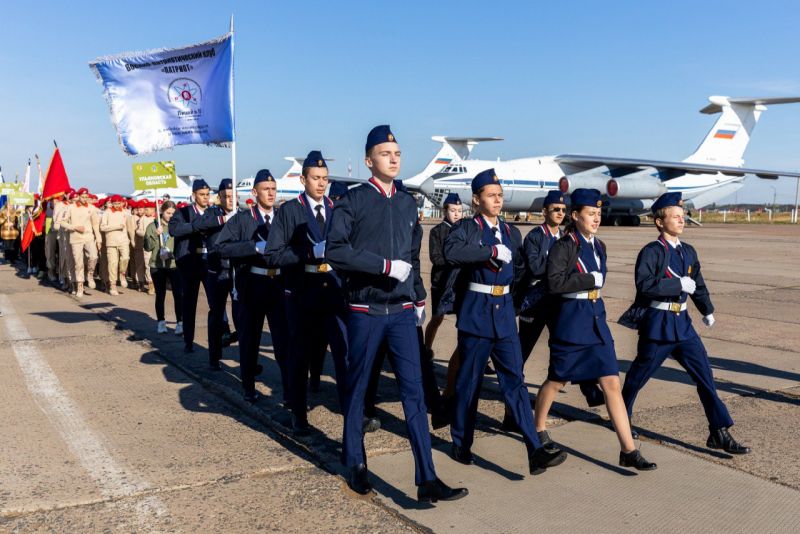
727, 140
296, 168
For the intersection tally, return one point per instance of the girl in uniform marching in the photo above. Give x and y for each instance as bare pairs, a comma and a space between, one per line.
581, 346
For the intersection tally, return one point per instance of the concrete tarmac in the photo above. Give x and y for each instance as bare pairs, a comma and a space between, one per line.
109, 426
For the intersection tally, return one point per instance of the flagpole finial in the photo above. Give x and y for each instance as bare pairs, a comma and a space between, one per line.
54, 142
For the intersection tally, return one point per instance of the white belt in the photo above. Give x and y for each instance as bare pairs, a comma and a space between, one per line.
321, 268
675, 307
202, 250
265, 272
593, 295
495, 291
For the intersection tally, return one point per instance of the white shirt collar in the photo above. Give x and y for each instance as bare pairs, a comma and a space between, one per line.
313, 203
675, 244
266, 214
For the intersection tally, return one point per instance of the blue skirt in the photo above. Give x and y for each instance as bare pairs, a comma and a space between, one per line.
578, 363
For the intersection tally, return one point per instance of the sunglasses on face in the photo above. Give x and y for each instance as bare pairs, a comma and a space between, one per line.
557, 210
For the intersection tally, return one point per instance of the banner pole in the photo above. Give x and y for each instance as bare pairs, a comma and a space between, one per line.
233, 113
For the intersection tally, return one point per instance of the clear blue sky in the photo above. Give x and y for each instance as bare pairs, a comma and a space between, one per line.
603, 78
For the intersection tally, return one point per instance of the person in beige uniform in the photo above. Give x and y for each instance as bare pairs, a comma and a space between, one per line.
83, 226
65, 266
102, 257
133, 218
114, 226
147, 217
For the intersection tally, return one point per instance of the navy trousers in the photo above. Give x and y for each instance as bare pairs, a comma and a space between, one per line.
193, 271
262, 298
692, 356
365, 333
507, 359
218, 291
311, 332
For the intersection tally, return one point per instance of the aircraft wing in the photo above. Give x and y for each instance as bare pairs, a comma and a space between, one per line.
581, 163
426, 187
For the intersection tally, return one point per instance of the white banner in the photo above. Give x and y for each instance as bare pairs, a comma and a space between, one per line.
167, 97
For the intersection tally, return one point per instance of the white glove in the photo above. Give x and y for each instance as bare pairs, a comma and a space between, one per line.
261, 247
420, 311
399, 270
319, 250
688, 285
598, 278
503, 253
708, 320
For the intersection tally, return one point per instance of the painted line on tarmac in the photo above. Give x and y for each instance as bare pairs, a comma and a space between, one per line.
112, 478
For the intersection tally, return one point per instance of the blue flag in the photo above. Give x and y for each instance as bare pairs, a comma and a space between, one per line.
167, 97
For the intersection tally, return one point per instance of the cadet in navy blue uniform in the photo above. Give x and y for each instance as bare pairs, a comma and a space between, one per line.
191, 255
489, 253
581, 346
667, 275
243, 240
219, 282
374, 244
537, 307
314, 301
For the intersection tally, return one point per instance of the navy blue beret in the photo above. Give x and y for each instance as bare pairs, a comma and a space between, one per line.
337, 190
199, 184
379, 134
484, 178
263, 176
314, 159
453, 199
226, 183
586, 197
554, 197
668, 200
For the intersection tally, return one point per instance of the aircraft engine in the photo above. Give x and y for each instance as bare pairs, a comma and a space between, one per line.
568, 184
635, 187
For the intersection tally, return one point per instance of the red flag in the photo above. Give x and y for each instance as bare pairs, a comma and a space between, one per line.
33, 228
56, 182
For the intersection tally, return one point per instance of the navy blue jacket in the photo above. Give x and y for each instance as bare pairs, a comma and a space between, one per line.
292, 237
237, 240
368, 230
532, 291
658, 271
187, 237
209, 225
569, 266
470, 245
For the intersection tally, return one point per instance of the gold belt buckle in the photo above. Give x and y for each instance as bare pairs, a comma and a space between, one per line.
272, 272
594, 295
498, 291
323, 268
675, 307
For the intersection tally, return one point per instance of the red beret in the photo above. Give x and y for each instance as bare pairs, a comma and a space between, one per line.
82, 190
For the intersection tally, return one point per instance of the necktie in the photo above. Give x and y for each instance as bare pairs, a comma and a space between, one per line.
679, 248
320, 220
496, 233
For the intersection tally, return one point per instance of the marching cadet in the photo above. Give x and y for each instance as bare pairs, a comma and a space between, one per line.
453, 212
65, 267
83, 225
668, 274
259, 288
191, 256
374, 243
51, 239
315, 306
581, 346
219, 283
537, 307
489, 254
161, 244
146, 218
133, 218
113, 225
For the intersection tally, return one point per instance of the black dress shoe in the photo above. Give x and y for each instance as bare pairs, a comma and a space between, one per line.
634, 434
594, 395
439, 418
546, 441
300, 426
370, 424
226, 340
357, 480
436, 490
188, 348
722, 439
214, 365
251, 396
636, 460
462, 456
542, 458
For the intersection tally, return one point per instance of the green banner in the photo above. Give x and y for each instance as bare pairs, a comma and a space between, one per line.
20, 198
10, 188
154, 175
